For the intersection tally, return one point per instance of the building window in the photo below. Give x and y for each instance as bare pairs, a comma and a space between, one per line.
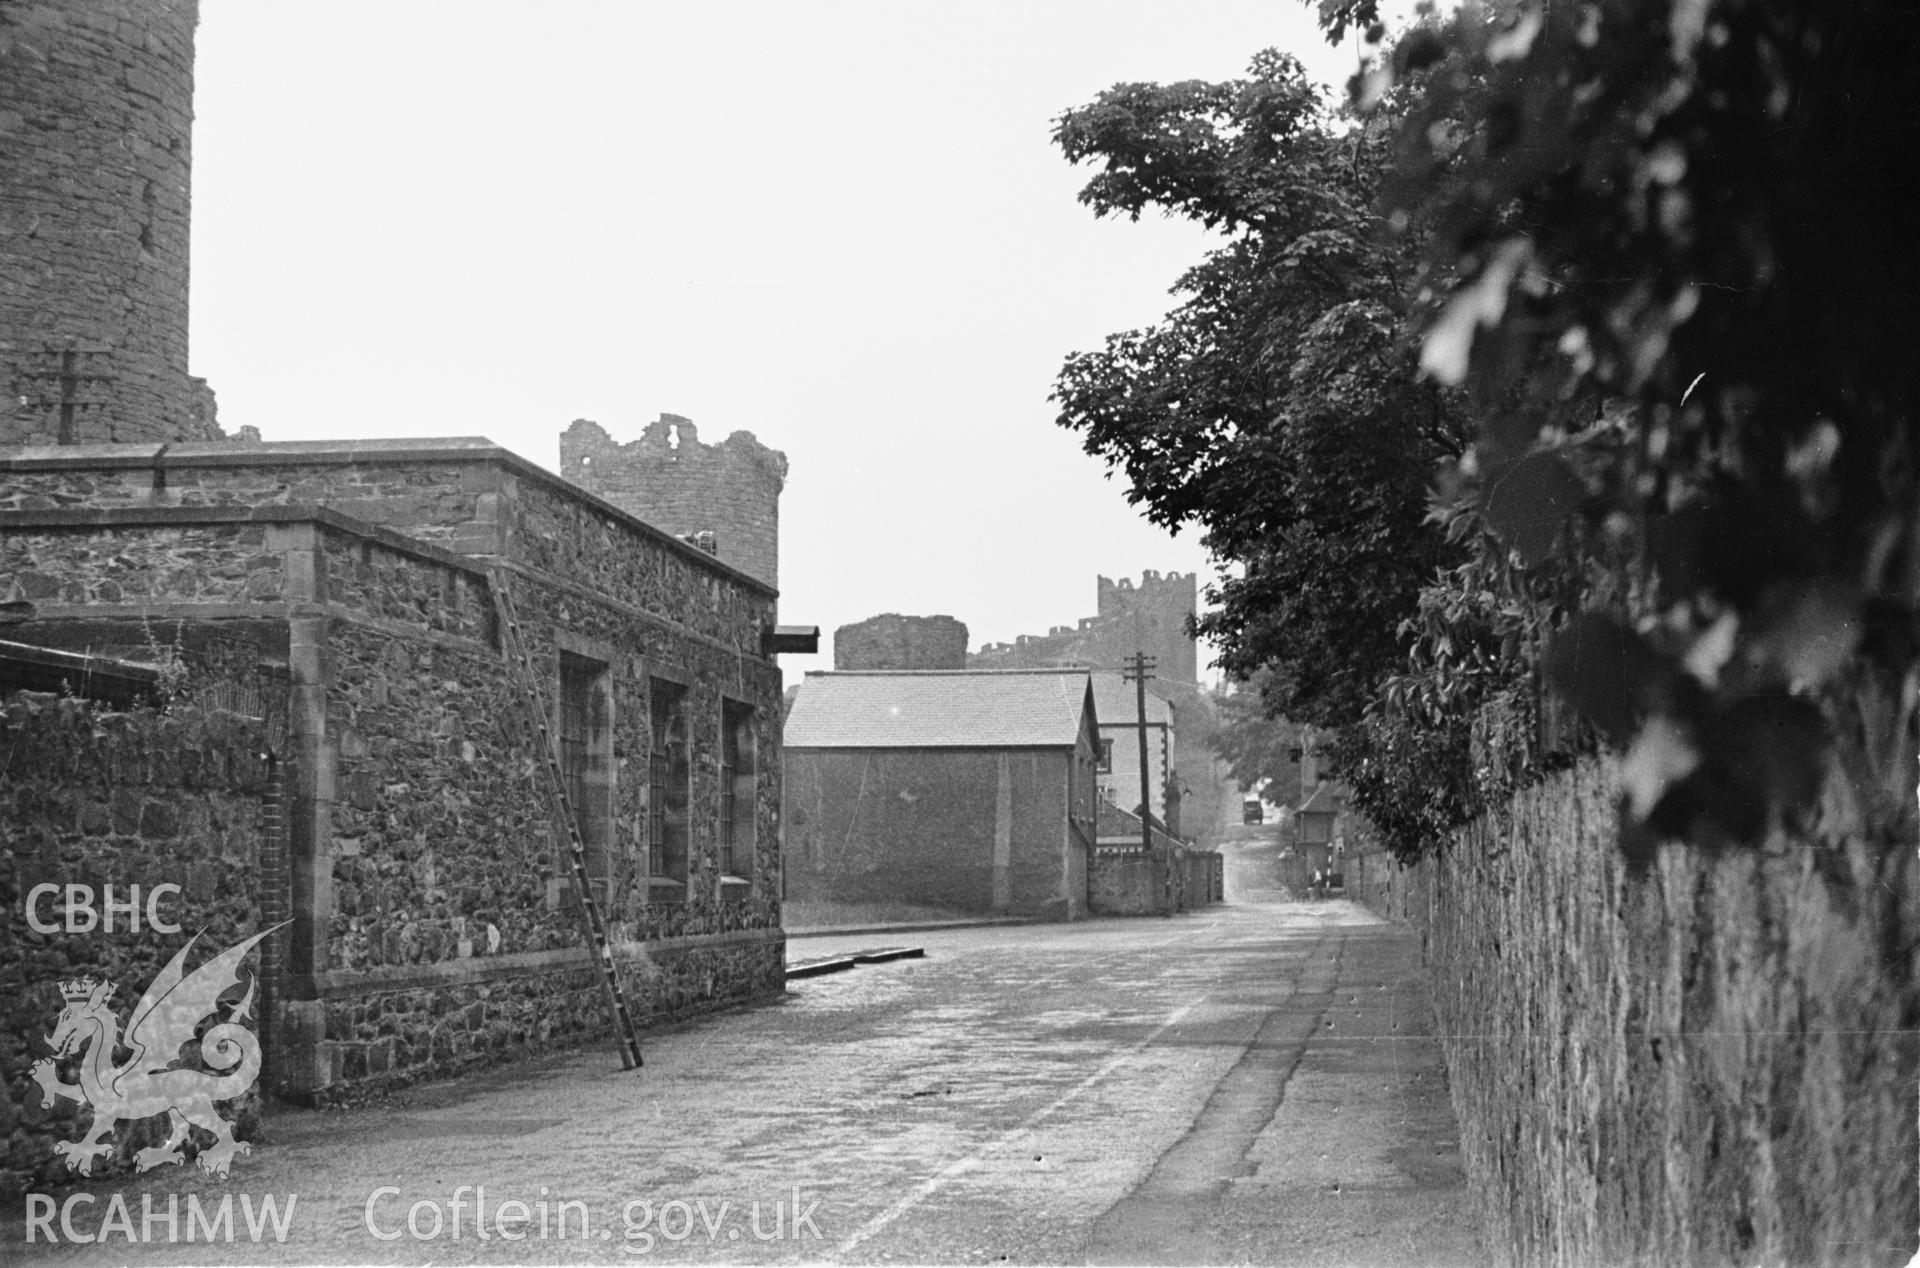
1106, 757
668, 769
737, 789
586, 757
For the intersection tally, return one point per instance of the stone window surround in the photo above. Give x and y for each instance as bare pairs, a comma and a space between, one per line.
737, 711
666, 887
594, 814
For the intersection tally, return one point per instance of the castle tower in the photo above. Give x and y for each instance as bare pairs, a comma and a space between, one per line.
1152, 617
674, 482
96, 119
895, 642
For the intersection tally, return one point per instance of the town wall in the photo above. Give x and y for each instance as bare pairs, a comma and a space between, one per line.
97, 798
96, 121
1710, 1064
1151, 617
669, 478
894, 642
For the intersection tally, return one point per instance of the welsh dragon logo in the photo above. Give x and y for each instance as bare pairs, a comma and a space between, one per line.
150, 1082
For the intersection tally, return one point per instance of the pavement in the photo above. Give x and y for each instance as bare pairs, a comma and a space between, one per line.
1255, 1083
897, 927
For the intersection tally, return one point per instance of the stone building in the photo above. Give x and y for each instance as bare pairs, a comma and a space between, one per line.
892, 641
343, 595
969, 791
726, 496
96, 114
348, 749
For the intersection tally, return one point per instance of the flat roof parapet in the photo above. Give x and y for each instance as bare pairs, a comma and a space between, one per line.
275, 453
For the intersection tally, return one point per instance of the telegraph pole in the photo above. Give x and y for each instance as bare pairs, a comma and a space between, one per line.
1138, 670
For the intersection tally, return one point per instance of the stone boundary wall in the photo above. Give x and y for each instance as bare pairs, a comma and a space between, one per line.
1125, 881
89, 797
1713, 1064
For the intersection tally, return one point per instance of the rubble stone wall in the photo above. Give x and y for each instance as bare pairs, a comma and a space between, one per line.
1712, 1064
419, 862
1126, 882
453, 937
190, 563
93, 798
1122, 883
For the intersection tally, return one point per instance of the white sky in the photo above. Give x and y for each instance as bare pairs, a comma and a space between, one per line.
840, 226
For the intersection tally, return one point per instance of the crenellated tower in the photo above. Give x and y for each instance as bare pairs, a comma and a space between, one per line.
730, 491
1156, 616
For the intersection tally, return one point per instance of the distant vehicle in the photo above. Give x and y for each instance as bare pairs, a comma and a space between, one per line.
1252, 812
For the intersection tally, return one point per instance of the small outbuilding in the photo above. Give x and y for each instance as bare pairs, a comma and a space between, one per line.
969, 790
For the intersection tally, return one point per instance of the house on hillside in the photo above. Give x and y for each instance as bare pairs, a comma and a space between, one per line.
969, 790
1117, 702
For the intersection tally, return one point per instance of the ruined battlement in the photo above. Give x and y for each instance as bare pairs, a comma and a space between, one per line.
1152, 616
674, 481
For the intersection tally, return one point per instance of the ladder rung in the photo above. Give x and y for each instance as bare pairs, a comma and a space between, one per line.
560, 806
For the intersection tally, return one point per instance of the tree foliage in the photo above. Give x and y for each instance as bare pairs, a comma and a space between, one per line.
1260, 750
1633, 283
1277, 406
1698, 214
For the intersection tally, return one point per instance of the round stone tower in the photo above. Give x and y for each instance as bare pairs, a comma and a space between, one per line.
96, 118
894, 642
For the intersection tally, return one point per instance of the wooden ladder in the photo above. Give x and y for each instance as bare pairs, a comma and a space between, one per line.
560, 810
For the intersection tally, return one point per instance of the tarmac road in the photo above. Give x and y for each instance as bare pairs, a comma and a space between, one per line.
1254, 1083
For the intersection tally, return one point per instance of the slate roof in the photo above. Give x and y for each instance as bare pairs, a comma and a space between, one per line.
1323, 799
1117, 825
1117, 703
1019, 708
